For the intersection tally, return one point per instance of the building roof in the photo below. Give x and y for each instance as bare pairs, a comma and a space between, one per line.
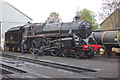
17, 9
110, 15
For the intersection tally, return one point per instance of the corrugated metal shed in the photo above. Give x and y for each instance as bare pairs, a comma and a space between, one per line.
111, 22
10, 17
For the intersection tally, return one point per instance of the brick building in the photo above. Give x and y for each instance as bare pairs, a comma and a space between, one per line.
111, 22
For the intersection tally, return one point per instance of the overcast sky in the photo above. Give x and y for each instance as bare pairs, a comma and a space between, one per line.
39, 10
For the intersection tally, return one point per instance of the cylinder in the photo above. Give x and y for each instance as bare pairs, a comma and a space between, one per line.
97, 36
111, 38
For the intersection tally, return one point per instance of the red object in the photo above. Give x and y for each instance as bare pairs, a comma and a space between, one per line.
11, 37
96, 46
2, 35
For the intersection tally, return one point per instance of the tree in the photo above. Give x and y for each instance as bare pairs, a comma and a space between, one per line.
89, 16
54, 17
108, 6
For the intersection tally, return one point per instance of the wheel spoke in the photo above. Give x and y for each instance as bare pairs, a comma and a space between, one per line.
63, 54
52, 53
79, 54
33, 46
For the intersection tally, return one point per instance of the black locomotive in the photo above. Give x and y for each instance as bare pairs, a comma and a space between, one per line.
108, 38
58, 39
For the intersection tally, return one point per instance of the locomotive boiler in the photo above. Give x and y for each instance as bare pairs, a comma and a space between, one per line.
58, 39
108, 38
82, 29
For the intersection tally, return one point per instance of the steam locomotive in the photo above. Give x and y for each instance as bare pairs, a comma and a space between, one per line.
108, 38
57, 39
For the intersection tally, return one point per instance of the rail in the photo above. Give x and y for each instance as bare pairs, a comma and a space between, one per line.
51, 64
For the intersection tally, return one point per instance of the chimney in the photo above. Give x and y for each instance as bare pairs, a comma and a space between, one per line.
77, 18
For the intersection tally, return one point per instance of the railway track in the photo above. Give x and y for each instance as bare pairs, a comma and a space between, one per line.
5, 70
5, 77
15, 70
50, 64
